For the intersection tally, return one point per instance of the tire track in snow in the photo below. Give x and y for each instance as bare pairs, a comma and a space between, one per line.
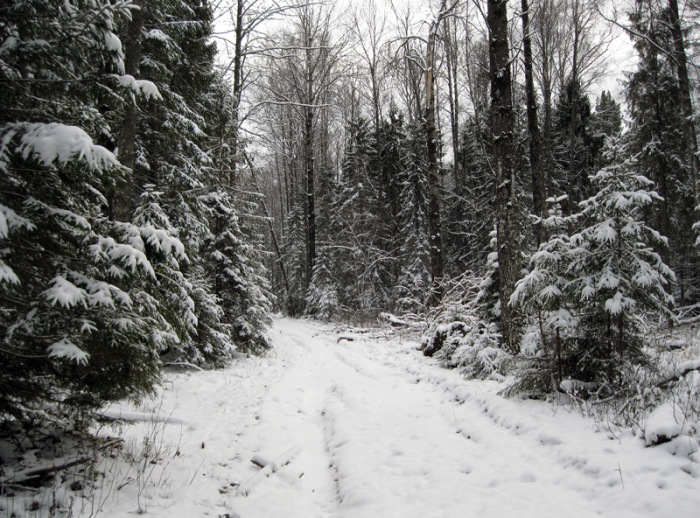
290, 416
589, 464
562, 452
385, 434
391, 443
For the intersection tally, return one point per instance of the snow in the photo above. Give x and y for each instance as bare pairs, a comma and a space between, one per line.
65, 293
157, 34
662, 425
11, 221
128, 255
55, 142
64, 348
142, 86
370, 428
7, 274
113, 43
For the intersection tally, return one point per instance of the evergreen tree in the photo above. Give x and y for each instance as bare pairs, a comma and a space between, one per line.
414, 280
78, 320
657, 137
572, 148
323, 298
238, 273
589, 290
470, 207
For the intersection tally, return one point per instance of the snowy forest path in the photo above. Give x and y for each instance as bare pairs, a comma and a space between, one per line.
350, 424
400, 437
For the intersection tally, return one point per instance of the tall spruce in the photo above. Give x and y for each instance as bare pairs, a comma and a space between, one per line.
78, 322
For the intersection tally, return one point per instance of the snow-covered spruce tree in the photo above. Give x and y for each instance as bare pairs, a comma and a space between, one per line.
174, 290
595, 285
230, 252
658, 136
388, 159
293, 253
78, 323
239, 276
322, 297
183, 145
414, 255
542, 294
357, 231
470, 212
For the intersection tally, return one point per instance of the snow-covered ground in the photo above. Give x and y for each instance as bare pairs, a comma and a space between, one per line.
369, 428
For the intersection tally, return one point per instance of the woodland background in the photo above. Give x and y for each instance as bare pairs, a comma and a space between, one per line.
451, 161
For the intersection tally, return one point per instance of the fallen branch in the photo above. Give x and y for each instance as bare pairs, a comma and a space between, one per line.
267, 468
184, 364
683, 369
30, 474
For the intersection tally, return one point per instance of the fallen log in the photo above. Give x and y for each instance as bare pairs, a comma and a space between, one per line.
39, 472
683, 369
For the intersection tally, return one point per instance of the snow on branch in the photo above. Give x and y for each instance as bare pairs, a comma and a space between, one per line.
65, 293
127, 255
66, 349
53, 142
140, 86
11, 221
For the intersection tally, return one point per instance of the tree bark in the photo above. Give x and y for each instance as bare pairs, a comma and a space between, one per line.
684, 91
570, 203
270, 224
539, 189
237, 87
309, 166
453, 92
502, 128
435, 239
121, 202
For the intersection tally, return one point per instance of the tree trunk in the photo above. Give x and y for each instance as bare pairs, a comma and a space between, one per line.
453, 92
434, 230
435, 239
310, 198
237, 87
539, 190
544, 30
684, 91
273, 233
570, 203
121, 202
502, 128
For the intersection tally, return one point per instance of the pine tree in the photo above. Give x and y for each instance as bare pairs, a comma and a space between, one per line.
590, 290
414, 280
658, 137
78, 320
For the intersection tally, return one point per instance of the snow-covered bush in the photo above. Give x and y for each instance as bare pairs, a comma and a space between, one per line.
462, 335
